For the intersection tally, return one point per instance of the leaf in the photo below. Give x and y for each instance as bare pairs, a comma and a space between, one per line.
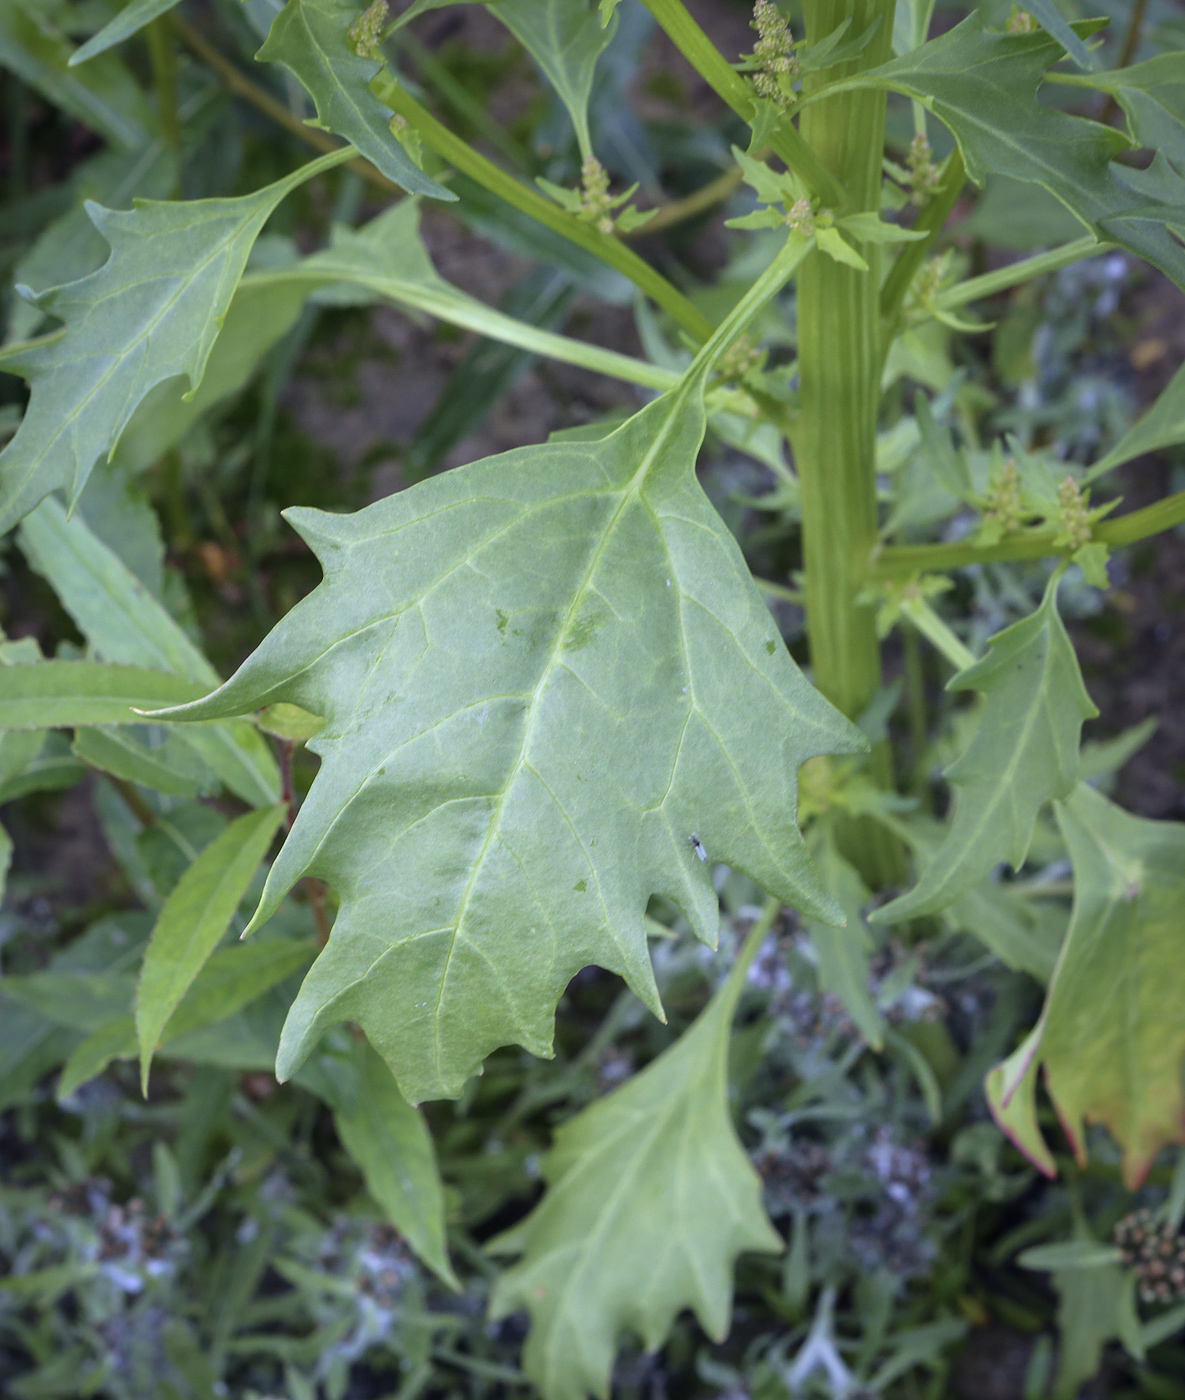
1047, 14
66, 694
983, 86
1153, 96
1070, 1254
541, 673
1163, 425
565, 38
124, 624
194, 917
1024, 753
844, 953
104, 98
1011, 1092
152, 312
134, 16
310, 38
1112, 1034
171, 768
392, 1146
649, 1183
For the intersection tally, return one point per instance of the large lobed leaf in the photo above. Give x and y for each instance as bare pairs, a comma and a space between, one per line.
311, 39
983, 86
542, 675
1111, 1037
152, 312
1024, 753
650, 1199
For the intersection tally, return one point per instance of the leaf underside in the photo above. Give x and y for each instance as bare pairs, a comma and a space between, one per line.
541, 675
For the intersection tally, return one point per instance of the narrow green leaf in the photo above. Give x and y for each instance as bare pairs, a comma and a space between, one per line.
1070, 1254
125, 624
983, 86
114, 1041
152, 312
1024, 753
542, 674
67, 694
172, 767
310, 38
104, 97
194, 918
391, 1143
1051, 18
130, 20
649, 1183
84, 1001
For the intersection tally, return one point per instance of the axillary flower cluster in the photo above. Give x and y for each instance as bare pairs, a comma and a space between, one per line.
774, 62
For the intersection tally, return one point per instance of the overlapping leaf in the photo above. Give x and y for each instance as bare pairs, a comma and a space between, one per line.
1153, 96
542, 674
130, 20
983, 86
1024, 753
1112, 1035
311, 39
650, 1199
152, 312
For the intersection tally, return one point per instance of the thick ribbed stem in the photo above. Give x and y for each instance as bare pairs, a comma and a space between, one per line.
835, 437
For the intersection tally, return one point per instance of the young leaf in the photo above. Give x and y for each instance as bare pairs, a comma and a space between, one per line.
130, 20
983, 86
66, 694
392, 1146
124, 624
565, 38
649, 1183
1024, 752
193, 920
152, 312
311, 39
541, 674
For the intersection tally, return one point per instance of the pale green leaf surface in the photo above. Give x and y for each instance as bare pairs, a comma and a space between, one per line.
1011, 1092
983, 86
67, 694
310, 38
1070, 1254
124, 624
392, 1146
193, 920
103, 96
1024, 752
130, 20
650, 1199
152, 312
565, 38
541, 674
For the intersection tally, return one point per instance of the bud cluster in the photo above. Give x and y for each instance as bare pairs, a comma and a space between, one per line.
800, 218
1073, 519
1021, 22
1156, 1252
924, 177
740, 357
596, 205
773, 53
1004, 508
367, 30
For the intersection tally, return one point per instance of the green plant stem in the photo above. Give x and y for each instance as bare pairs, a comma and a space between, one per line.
937, 633
779, 591
930, 220
679, 210
164, 76
727, 83
605, 246
903, 561
839, 356
991, 283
